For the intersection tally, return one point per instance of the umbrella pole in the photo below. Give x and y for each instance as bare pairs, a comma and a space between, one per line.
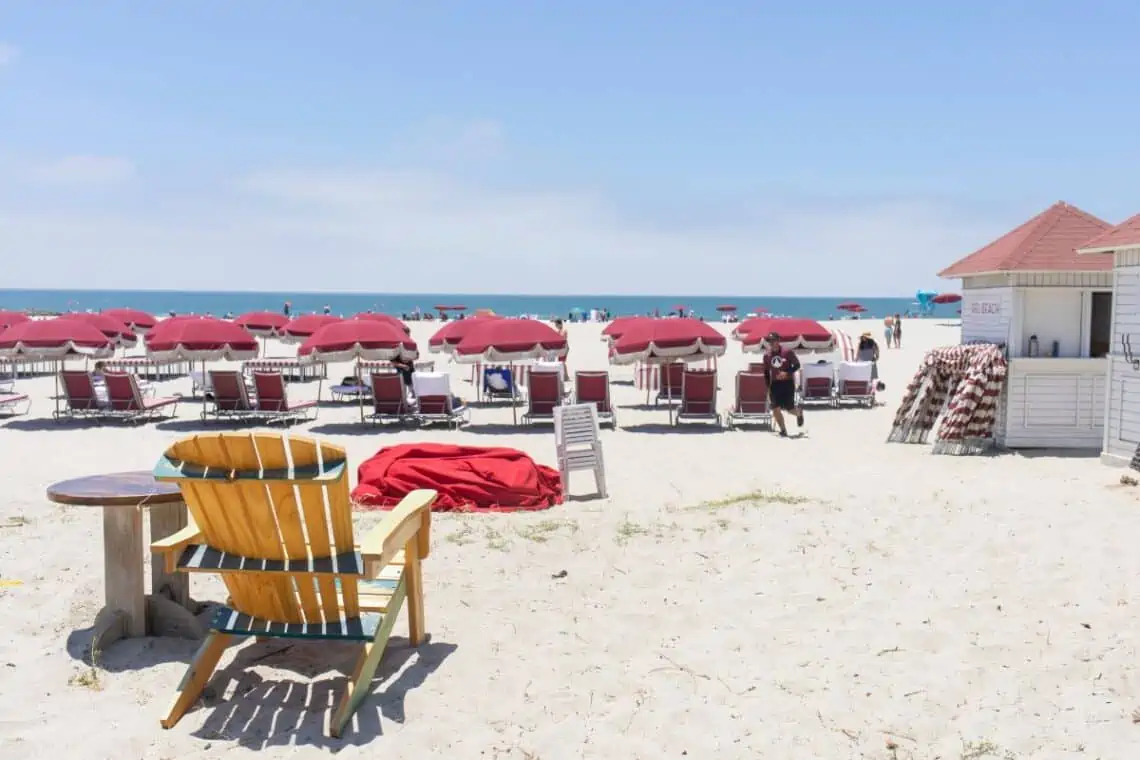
514, 394
360, 388
58, 369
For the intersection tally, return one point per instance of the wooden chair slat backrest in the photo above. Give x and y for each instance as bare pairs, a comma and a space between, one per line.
268, 496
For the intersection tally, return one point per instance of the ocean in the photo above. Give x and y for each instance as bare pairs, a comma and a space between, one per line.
220, 303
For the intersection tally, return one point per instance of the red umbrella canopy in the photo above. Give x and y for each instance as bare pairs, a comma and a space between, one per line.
200, 339
113, 328
726, 307
305, 325
54, 339
679, 307
666, 340
137, 320
386, 319
620, 325
9, 318
946, 298
264, 323
452, 307
851, 306
802, 334
358, 339
761, 310
507, 340
449, 336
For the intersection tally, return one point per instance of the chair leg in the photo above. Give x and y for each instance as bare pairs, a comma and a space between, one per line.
414, 577
196, 676
360, 681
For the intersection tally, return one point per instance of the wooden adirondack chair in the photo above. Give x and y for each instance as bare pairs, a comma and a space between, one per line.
259, 518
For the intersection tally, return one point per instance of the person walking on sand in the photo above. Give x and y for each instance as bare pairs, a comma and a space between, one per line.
898, 331
780, 367
888, 331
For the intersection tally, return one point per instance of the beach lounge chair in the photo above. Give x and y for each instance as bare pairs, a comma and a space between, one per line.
698, 397
499, 383
594, 388
817, 383
756, 368
82, 398
273, 403
544, 393
263, 508
671, 380
230, 397
751, 405
126, 401
436, 404
856, 384
577, 446
390, 402
10, 404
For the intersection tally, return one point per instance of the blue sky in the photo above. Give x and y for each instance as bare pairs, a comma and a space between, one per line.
527, 146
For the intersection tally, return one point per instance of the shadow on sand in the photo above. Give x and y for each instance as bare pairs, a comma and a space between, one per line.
261, 713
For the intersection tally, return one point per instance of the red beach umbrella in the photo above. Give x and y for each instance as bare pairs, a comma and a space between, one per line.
9, 318
265, 324
726, 307
761, 310
448, 337
350, 339
113, 328
305, 325
452, 307
509, 340
54, 339
620, 325
946, 298
851, 306
200, 339
801, 334
679, 307
657, 340
137, 320
386, 319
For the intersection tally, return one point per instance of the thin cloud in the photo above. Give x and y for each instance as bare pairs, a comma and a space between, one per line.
442, 143
8, 54
419, 231
84, 170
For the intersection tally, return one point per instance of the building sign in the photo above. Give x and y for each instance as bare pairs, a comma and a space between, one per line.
986, 308
985, 315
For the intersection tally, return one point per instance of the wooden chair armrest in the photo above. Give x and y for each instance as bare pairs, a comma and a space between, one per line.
176, 542
411, 518
171, 546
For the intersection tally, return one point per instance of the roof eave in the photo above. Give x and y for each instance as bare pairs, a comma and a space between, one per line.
1106, 249
1020, 271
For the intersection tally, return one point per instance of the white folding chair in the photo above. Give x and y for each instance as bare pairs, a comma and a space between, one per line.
577, 445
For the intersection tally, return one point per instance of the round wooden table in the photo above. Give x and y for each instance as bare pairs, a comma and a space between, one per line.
129, 611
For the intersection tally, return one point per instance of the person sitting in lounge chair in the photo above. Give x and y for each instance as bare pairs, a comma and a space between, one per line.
868, 351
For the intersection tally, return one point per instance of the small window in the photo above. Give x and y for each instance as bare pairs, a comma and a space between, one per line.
1100, 330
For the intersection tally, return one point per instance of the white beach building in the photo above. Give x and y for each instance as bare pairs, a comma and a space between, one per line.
1052, 309
1120, 248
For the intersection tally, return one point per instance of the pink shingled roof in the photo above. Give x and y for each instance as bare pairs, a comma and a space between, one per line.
1124, 235
1046, 243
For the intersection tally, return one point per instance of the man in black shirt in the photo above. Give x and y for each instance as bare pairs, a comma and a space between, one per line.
780, 367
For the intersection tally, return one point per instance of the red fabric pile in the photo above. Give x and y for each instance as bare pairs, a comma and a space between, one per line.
468, 478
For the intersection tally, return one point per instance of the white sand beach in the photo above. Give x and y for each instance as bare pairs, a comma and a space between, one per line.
738, 595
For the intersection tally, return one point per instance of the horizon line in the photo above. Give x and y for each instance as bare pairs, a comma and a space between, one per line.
408, 294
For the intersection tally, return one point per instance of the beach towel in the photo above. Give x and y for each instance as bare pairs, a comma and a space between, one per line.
468, 478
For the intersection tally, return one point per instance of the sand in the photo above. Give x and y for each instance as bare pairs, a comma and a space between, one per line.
736, 596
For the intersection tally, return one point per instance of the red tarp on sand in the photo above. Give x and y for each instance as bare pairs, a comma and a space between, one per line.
468, 478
